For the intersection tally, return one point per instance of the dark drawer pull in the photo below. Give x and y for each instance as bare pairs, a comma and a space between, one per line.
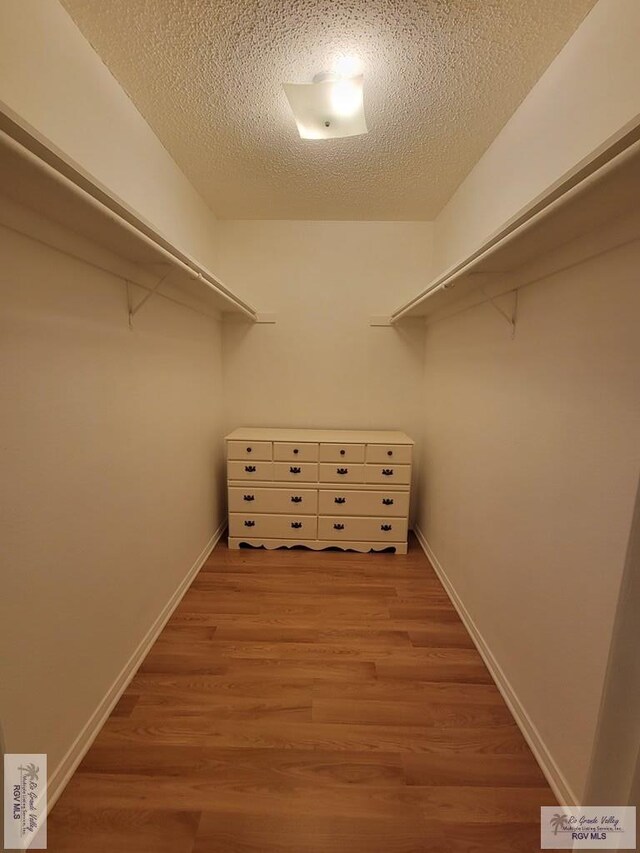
250, 469
249, 498
389, 452
338, 526
385, 527
340, 500
342, 452
296, 525
387, 501
296, 451
342, 470
249, 524
248, 450
293, 470
387, 472
296, 500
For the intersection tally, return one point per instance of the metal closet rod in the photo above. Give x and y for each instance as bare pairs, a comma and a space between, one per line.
545, 207
127, 280
86, 197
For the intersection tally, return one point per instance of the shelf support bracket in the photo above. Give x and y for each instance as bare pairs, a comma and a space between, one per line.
133, 309
512, 317
129, 302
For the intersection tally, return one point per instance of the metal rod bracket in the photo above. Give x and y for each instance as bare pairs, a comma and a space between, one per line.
512, 317
133, 309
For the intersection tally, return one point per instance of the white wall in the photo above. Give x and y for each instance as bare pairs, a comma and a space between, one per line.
51, 76
111, 440
589, 92
110, 451
614, 775
531, 466
531, 446
321, 364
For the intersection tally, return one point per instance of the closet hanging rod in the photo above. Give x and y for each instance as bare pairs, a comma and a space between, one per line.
622, 149
194, 272
92, 263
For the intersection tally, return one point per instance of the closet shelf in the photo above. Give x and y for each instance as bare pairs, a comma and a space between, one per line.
35, 178
572, 212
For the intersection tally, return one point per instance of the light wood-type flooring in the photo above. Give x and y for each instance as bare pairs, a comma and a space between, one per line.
305, 702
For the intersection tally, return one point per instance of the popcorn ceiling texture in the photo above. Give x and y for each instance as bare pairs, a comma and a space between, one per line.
441, 79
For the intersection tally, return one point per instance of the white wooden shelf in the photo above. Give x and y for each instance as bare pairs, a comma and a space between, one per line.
575, 212
45, 195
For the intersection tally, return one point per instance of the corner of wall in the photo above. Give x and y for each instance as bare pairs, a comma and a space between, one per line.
566, 116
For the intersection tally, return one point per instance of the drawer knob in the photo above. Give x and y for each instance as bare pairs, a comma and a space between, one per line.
342, 470
248, 450
340, 500
250, 469
293, 470
249, 498
338, 526
388, 472
385, 527
249, 524
387, 501
342, 452
296, 499
296, 451
296, 525
389, 452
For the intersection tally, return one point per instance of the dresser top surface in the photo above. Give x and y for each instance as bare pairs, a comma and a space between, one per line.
327, 436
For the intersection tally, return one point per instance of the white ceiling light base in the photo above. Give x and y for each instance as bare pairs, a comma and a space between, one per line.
329, 108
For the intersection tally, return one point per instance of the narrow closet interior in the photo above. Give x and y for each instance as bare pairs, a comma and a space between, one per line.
319, 447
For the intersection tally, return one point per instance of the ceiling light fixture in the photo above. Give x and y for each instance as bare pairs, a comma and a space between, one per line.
332, 105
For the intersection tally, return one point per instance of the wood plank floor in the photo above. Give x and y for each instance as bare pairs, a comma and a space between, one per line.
303, 702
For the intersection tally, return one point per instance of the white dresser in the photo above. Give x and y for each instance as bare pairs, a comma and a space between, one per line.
319, 488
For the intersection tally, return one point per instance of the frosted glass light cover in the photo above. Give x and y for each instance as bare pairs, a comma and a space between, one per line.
328, 109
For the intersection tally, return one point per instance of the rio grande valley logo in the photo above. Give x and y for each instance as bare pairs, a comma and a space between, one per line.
588, 828
25, 796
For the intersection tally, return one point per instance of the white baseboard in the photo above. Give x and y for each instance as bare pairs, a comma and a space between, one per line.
549, 767
78, 749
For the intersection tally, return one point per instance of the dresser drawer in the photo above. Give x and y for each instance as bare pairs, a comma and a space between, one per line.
258, 450
362, 529
287, 451
259, 526
304, 501
342, 452
388, 453
351, 502
250, 470
388, 474
303, 472
337, 473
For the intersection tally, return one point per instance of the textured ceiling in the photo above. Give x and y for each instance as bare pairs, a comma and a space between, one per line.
441, 78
